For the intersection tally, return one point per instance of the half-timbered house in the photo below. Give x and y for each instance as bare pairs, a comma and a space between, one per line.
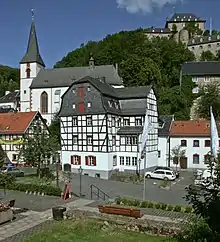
13, 128
101, 127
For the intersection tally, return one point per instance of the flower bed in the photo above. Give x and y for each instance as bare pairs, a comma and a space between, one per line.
148, 204
119, 210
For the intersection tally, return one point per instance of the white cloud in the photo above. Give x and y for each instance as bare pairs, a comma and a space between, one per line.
144, 6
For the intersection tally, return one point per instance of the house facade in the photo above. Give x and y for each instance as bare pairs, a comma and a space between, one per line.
10, 102
165, 122
41, 89
13, 128
101, 127
194, 138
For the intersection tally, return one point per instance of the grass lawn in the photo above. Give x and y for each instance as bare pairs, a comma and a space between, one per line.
68, 231
33, 180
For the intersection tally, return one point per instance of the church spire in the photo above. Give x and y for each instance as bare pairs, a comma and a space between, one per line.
32, 54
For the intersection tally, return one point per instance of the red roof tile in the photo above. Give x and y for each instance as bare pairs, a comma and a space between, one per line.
190, 128
15, 123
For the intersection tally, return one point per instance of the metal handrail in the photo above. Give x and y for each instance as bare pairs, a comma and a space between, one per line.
98, 193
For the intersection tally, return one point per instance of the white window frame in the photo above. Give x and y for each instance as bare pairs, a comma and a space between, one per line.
75, 139
89, 140
89, 121
122, 161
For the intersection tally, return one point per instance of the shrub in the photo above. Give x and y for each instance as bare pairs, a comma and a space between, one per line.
177, 208
118, 200
136, 203
22, 187
150, 205
163, 206
169, 208
46, 173
157, 205
188, 210
144, 204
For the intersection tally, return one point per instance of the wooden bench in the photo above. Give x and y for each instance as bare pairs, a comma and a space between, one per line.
117, 210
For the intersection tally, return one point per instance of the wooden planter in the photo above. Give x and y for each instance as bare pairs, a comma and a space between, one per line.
117, 210
6, 216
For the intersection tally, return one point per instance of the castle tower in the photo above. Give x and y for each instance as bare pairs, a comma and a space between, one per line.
30, 65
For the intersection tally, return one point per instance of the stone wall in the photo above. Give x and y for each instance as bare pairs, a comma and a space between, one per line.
146, 224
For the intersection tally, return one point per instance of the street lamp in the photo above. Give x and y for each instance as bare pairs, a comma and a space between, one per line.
80, 170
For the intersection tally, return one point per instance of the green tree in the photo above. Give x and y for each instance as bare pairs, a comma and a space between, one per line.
214, 32
207, 56
209, 95
193, 29
55, 127
2, 156
39, 147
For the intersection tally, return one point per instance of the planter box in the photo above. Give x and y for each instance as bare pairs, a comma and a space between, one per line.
6, 216
116, 210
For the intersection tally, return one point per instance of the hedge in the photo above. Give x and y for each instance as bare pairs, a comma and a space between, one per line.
48, 190
148, 204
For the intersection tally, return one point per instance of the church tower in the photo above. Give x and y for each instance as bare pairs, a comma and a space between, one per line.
30, 65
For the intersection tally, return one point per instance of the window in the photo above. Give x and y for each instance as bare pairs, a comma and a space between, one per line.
183, 143
88, 88
81, 92
113, 121
195, 159
25, 91
74, 106
195, 143
122, 160
138, 122
151, 106
44, 102
89, 105
134, 161
114, 160
128, 161
28, 72
89, 121
113, 140
14, 157
116, 106
206, 158
89, 140
75, 122
75, 160
207, 143
81, 108
90, 161
159, 172
110, 104
131, 140
75, 139
159, 153
126, 122
119, 122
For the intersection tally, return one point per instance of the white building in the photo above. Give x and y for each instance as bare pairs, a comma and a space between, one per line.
165, 122
101, 127
41, 89
193, 137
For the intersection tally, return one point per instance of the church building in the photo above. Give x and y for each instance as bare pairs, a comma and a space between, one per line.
41, 88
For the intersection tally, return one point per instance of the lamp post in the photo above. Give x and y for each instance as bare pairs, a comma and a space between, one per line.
80, 170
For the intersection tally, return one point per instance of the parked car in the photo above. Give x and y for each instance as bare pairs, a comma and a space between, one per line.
168, 169
166, 175
13, 170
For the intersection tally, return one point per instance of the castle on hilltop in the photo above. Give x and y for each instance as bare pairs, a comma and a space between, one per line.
176, 27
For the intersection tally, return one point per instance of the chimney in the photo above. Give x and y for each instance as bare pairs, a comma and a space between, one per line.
7, 92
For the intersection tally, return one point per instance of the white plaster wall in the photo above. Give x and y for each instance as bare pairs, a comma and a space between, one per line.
190, 150
102, 160
11, 104
163, 147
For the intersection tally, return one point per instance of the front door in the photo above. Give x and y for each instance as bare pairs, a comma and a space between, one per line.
183, 163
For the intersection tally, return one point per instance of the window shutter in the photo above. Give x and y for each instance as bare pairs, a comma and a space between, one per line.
72, 159
79, 160
87, 161
94, 160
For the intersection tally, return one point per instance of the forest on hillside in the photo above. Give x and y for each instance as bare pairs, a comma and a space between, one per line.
143, 62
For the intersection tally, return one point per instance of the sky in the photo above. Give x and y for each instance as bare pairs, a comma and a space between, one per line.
63, 26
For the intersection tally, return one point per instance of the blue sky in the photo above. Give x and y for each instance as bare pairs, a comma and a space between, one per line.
63, 25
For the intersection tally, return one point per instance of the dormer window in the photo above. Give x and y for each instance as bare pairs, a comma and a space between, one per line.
110, 103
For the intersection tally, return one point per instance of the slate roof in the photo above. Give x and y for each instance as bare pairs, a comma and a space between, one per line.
64, 77
166, 126
130, 130
10, 97
32, 54
191, 128
201, 68
203, 40
15, 123
158, 30
185, 17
